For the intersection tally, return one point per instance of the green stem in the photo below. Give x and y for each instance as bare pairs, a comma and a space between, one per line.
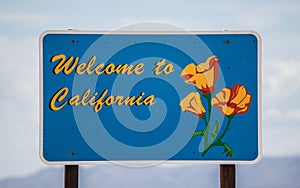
208, 98
227, 148
206, 150
226, 128
201, 133
218, 141
205, 120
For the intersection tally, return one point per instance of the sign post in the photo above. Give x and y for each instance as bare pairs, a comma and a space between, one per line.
227, 176
71, 176
148, 97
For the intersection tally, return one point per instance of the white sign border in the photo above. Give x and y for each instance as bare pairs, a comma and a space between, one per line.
140, 162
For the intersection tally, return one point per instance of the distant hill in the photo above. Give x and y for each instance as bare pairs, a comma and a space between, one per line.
268, 173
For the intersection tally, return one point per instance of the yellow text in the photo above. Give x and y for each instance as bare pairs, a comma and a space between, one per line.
60, 99
70, 64
160, 67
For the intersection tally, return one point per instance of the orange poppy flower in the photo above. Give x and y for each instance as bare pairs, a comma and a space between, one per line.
232, 101
193, 104
203, 76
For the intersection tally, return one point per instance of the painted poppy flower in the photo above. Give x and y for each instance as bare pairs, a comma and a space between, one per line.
193, 104
232, 101
203, 76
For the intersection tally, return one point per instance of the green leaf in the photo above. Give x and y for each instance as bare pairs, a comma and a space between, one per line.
198, 133
214, 132
228, 150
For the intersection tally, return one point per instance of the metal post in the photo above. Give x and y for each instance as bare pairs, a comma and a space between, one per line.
227, 176
71, 176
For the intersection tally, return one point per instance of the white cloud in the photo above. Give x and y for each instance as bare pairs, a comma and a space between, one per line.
282, 141
19, 105
277, 22
24, 18
282, 78
295, 114
281, 87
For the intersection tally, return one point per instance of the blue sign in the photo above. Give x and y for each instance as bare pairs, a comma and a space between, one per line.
192, 97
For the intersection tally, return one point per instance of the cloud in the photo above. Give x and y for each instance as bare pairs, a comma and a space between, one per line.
24, 18
19, 104
277, 22
282, 78
281, 87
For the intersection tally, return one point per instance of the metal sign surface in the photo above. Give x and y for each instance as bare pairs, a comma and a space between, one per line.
150, 96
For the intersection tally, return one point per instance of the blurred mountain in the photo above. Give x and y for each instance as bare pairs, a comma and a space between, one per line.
269, 172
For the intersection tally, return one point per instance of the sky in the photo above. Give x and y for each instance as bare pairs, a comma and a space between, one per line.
21, 23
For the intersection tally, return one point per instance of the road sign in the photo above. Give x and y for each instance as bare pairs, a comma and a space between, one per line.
150, 96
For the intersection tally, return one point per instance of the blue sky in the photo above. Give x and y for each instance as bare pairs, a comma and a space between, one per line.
21, 23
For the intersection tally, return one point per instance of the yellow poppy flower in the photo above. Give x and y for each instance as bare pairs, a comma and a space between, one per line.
193, 104
203, 76
232, 101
